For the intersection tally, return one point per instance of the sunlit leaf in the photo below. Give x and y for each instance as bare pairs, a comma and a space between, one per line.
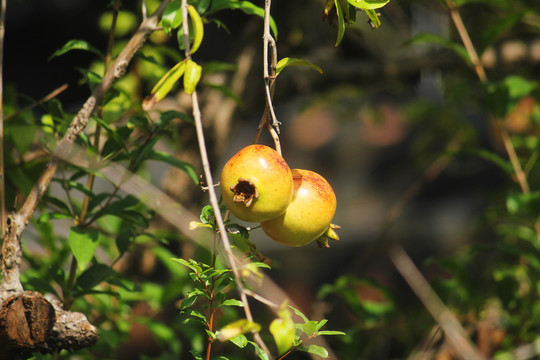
283, 329
232, 302
172, 16
368, 4
241, 341
192, 76
341, 22
373, 17
197, 225
519, 86
283, 63
316, 350
164, 85
76, 45
198, 28
236, 328
83, 244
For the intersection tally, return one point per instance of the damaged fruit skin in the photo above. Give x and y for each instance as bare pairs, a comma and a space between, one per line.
256, 184
309, 214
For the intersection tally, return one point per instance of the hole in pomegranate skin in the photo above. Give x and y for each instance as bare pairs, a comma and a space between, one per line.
244, 191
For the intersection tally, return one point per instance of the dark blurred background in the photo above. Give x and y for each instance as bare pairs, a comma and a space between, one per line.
381, 124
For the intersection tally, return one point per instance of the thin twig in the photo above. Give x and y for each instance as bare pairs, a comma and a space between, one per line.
465, 38
44, 99
452, 328
212, 193
2, 173
262, 299
269, 77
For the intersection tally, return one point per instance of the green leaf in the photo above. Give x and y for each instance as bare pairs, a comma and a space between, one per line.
177, 163
374, 17
368, 4
48, 216
490, 156
198, 28
331, 332
341, 22
442, 41
112, 133
316, 350
164, 85
192, 264
192, 76
236, 328
283, 63
283, 330
172, 16
196, 355
188, 302
199, 225
166, 117
299, 313
245, 6
309, 328
492, 32
92, 276
519, 87
75, 45
232, 302
83, 244
241, 341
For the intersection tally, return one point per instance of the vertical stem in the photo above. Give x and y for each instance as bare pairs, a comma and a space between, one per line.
212, 192
465, 38
269, 78
3, 217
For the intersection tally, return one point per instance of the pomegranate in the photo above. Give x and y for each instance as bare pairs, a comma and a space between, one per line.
256, 184
309, 214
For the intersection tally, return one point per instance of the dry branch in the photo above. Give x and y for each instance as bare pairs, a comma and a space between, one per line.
71, 330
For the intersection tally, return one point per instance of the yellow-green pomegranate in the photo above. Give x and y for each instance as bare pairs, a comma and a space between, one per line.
256, 184
309, 214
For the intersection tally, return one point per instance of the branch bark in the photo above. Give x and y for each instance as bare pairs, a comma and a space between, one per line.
72, 329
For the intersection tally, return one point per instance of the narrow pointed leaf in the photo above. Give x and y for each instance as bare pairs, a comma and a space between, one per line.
83, 244
368, 4
192, 76
75, 44
341, 22
164, 86
283, 63
177, 163
198, 28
